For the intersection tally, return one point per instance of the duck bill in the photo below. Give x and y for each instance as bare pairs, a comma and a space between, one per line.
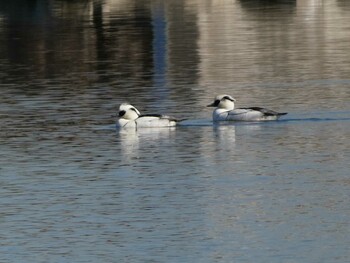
211, 105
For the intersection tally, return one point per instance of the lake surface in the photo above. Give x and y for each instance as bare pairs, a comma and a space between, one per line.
74, 189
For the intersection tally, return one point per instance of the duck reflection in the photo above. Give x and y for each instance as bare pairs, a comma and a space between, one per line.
224, 134
229, 142
135, 144
222, 144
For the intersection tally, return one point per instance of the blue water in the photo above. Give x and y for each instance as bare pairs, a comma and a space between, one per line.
75, 189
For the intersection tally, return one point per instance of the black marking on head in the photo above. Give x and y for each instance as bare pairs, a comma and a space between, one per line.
134, 110
216, 103
227, 98
122, 113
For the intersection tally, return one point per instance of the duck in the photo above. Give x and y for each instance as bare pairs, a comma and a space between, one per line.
225, 111
130, 117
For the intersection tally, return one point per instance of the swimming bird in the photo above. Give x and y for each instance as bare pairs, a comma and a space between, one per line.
225, 111
130, 117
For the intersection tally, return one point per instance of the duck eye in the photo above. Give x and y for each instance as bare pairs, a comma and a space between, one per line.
121, 113
216, 102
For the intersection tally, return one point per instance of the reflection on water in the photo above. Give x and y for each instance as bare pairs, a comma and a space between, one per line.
133, 142
75, 190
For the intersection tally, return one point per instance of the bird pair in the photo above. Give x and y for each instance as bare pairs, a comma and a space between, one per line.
130, 117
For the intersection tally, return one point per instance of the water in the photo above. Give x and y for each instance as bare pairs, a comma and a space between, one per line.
76, 190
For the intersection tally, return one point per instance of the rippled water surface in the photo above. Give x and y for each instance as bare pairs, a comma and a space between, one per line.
74, 189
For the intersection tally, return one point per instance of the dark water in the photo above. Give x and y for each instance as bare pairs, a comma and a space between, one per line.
73, 189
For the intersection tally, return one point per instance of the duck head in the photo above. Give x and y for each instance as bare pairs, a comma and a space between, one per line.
128, 112
223, 102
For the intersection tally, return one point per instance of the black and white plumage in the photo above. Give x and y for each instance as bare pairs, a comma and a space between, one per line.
225, 111
130, 117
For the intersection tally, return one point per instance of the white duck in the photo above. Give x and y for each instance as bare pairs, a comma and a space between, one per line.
225, 111
130, 117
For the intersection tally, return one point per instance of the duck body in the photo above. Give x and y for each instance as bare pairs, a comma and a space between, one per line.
130, 117
149, 121
225, 111
246, 114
